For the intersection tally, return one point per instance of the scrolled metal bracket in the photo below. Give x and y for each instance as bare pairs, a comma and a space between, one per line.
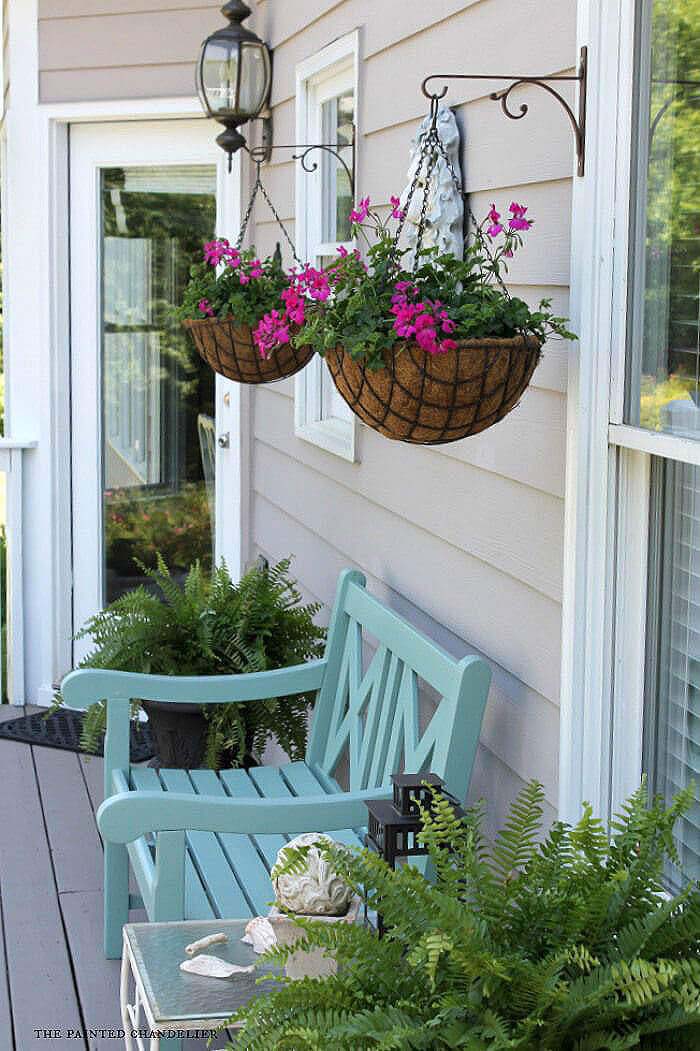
578, 121
260, 154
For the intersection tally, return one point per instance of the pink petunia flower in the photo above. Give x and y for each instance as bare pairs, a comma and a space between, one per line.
396, 210
205, 307
359, 214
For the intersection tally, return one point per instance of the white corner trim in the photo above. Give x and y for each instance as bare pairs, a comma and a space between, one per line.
598, 283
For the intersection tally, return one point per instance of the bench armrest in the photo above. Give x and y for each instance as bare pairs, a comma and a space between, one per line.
85, 686
125, 817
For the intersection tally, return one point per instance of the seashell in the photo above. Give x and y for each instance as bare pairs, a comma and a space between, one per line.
260, 934
213, 967
318, 891
204, 943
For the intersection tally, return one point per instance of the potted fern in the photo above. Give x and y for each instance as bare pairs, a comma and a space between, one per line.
209, 625
561, 943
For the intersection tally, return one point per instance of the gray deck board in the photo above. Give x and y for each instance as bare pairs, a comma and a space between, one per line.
53, 973
42, 990
73, 837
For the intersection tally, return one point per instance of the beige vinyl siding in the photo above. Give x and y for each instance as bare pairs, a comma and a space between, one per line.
108, 49
465, 540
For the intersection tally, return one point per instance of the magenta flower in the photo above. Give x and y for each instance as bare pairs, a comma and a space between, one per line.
205, 307
359, 214
271, 332
493, 215
243, 279
494, 230
342, 251
396, 210
518, 220
215, 251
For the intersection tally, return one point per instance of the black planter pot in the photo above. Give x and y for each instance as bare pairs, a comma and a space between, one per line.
180, 733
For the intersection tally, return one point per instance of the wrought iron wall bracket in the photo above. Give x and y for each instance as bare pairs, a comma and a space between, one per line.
578, 120
261, 154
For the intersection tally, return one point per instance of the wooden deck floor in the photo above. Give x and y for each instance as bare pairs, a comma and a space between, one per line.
53, 975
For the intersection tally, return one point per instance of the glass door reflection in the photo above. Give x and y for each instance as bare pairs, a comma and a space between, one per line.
157, 394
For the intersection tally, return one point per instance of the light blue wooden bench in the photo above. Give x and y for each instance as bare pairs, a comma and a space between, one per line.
201, 844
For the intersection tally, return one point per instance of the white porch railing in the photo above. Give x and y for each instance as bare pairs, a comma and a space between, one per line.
11, 464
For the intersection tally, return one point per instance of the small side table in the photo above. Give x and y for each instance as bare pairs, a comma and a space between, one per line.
169, 1003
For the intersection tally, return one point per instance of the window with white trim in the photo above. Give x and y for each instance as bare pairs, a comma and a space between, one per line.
326, 102
631, 685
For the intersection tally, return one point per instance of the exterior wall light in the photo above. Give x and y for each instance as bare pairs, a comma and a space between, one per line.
233, 76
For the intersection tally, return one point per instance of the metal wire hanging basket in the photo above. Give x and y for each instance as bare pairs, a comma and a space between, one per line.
230, 350
228, 347
432, 399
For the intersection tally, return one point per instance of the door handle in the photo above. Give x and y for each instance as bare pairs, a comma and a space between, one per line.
224, 440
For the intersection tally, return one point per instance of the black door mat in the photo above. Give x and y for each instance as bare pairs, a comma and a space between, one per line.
62, 729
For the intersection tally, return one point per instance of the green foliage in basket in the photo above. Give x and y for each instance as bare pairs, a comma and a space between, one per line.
209, 625
229, 283
375, 306
566, 943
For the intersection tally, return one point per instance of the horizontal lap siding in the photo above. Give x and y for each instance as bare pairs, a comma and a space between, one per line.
112, 50
466, 541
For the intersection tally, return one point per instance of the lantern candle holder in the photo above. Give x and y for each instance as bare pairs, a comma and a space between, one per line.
393, 826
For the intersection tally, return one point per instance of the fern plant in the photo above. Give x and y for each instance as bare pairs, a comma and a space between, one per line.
209, 625
566, 943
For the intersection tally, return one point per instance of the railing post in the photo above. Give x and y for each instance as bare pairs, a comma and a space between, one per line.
11, 464
14, 590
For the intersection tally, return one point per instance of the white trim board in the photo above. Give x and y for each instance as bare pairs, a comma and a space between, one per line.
326, 73
598, 283
37, 339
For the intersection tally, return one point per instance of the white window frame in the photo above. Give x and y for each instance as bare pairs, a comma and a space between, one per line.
608, 461
322, 76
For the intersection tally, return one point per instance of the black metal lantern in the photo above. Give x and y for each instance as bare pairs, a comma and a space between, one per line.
234, 74
393, 826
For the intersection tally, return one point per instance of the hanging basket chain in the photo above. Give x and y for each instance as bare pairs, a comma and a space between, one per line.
258, 185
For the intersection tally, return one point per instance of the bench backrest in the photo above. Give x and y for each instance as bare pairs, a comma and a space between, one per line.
368, 710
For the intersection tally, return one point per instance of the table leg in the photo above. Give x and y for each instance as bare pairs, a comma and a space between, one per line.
124, 1000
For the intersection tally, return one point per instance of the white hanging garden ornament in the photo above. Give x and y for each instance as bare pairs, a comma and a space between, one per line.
444, 214
318, 890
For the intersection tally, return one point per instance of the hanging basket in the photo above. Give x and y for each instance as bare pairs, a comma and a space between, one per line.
231, 351
431, 399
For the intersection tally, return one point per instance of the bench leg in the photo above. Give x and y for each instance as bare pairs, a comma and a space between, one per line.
169, 886
116, 897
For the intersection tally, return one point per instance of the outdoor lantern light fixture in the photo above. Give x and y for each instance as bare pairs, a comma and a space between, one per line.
234, 74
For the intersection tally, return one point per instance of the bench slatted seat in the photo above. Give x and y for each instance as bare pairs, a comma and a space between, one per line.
201, 844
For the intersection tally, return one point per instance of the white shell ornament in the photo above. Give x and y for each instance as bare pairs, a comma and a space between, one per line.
260, 934
213, 967
318, 890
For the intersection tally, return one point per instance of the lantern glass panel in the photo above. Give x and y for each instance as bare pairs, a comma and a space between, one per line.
219, 80
255, 63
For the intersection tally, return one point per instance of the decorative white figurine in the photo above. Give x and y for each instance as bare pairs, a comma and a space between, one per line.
445, 209
318, 891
